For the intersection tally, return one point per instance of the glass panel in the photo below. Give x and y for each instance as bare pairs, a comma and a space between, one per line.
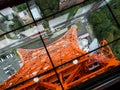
15, 17
74, 39
67, 3
17, 56
9, 63
104, 26
23, 13
47, 6
114, 4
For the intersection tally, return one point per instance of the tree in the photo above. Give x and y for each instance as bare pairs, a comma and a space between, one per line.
48, 6
113, 29
21, 7
115, 6
116, 50
97, 17
104, 26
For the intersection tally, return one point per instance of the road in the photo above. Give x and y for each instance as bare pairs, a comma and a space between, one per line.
14, 60
35, 43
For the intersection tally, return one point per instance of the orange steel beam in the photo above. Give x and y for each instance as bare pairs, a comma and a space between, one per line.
77, 81
106, 50
36, 61
74, 72
61, 51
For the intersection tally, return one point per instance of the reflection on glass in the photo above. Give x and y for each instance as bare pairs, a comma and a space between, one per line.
115, 6
23, 13
70, 37
8, 63
104, 25
47, 7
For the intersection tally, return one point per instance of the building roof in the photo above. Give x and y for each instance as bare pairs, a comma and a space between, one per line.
33, 30
6, 11
83, 10
58, 20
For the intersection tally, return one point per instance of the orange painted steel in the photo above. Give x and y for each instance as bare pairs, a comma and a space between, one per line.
36, 61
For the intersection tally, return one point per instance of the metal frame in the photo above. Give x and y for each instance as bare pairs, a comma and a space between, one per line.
54, 68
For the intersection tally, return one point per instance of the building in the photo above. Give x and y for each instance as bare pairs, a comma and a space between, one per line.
68, 3
26, 16
81, 63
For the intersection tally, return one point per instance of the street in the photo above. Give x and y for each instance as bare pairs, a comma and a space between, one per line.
13, 61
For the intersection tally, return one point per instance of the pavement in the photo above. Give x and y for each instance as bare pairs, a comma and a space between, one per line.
14, 61
35, 43
59, 33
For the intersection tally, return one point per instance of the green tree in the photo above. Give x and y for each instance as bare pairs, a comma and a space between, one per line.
48, 6
113, 29
97, 17
116, 50
21, 7
115, 6
73, 11
104, 25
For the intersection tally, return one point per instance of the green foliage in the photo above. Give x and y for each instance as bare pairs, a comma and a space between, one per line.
47, 12
17, 24
48, 6
46, 25
42, 4
98, 17
116, 49
107, 35
3, 17
73, 11
115, 6
104, 26
115, 31
21, 7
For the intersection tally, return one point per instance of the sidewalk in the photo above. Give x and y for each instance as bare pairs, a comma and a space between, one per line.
59, 33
